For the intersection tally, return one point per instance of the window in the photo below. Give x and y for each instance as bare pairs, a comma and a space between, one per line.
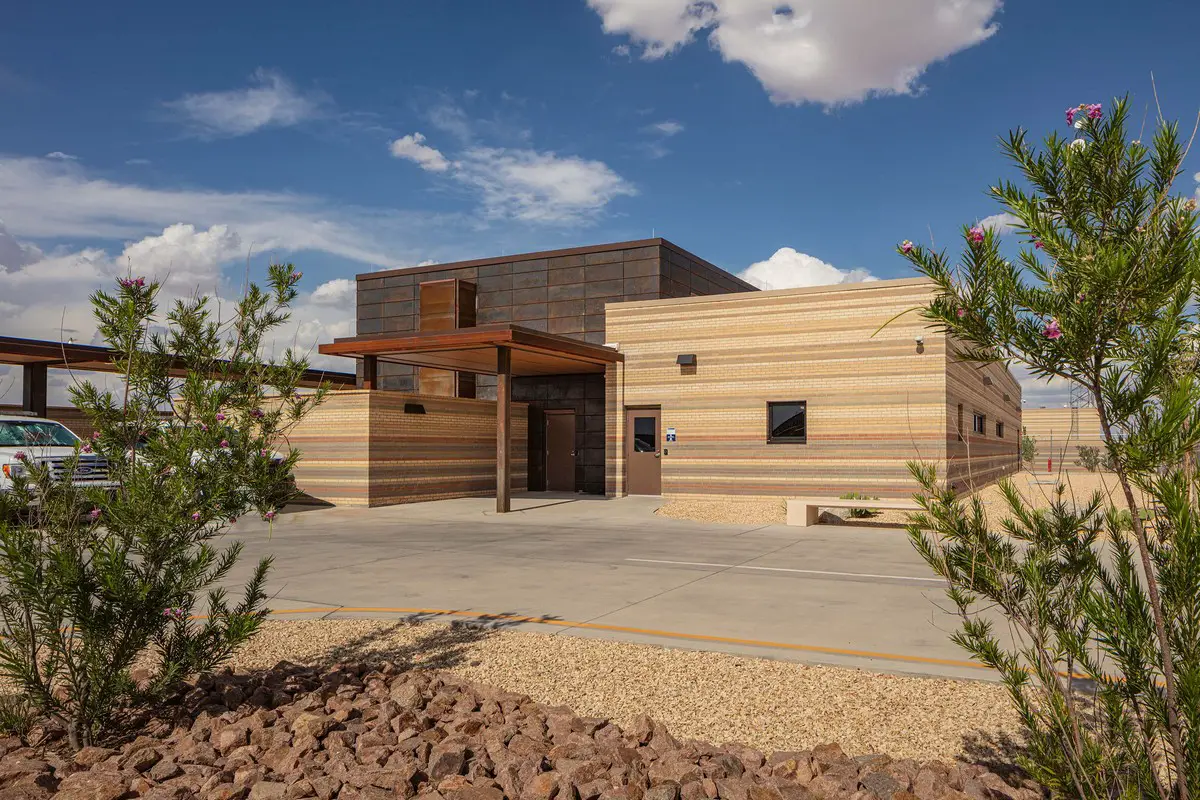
999, 430
979, 423
645, 434
787, 422
35, 433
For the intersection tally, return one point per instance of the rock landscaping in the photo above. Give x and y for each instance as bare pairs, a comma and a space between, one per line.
377, 731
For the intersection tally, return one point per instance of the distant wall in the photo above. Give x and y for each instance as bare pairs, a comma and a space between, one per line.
360, 448
1059, 437
72, 417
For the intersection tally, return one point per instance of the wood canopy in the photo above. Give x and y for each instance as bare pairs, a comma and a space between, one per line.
475, 350
501, 350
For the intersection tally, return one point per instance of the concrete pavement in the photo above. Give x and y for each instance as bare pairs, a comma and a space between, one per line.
596, 567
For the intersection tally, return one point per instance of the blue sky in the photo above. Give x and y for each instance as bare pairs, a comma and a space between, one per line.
366, 135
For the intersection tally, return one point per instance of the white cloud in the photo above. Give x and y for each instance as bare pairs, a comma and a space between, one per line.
272, 100
413, 148
138, 162
622, 51
335, 292
824, 51
537, 186
14, 254
42, 198
521, 183
666, 128
61, 156
788, 269
184, 257
1000, 223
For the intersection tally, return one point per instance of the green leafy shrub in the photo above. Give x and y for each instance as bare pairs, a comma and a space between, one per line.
1089, 458
859, 513
92, 578
1100, 648
1029, 450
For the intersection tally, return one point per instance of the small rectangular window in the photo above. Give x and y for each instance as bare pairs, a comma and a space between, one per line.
960, 430
999, 430
979, 423
787, 422
645, 434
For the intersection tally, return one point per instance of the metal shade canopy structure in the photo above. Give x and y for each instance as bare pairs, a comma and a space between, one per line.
501, 350
36, 356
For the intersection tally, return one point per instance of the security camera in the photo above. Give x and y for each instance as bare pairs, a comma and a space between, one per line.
920, 340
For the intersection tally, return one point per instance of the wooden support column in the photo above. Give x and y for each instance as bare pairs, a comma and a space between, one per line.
33, 389
370, 376
503, 428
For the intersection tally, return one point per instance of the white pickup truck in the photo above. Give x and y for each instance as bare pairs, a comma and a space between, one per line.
26, 440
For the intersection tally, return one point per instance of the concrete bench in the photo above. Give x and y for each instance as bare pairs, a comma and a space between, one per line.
806, 511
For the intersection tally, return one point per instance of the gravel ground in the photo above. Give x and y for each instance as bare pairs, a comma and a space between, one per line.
772, 705
1080, 484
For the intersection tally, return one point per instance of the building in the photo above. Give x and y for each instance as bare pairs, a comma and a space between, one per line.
638, 367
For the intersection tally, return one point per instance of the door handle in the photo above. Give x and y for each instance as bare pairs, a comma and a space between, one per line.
657, 454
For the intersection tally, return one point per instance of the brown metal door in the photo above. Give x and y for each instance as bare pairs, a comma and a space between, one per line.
560, 450
643, 451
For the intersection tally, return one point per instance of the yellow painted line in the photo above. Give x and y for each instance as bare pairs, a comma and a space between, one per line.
593, 626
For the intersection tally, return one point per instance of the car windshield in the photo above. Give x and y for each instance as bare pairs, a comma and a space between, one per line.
27, 434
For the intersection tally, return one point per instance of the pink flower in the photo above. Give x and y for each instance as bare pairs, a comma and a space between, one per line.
1094, 111
87, 448
1052, 331
1037, 244
1071, 115
264, 453
270, 515
1082, 296
232, 520
225, 444
220, 417
176, 614
195, 516
94, 514
95, 435
906, 246
975, 234
257, 413
20, 456
297, 275
203, 427
131, 283
962, 312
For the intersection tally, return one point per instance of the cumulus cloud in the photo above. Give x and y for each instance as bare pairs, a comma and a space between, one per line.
413, 148
14, 254
788, 269
335, 292
522, 183
61, 156
824, 51
270, 101
1000, 223
42, 198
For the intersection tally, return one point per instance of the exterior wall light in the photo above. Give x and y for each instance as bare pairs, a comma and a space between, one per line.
686, 360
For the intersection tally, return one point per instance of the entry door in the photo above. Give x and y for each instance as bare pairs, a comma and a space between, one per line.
643, 451
560, 450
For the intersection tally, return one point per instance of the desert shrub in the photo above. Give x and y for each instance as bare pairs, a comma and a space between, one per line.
1100, 648
859, 513
91, 578
1089, 458
1029, 450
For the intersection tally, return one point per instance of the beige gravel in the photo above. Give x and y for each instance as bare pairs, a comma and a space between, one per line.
769, 704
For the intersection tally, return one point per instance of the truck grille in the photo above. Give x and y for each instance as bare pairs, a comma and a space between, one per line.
88, 470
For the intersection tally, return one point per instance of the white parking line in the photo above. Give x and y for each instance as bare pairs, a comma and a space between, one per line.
784, 569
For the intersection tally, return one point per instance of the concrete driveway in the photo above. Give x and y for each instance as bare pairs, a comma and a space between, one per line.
597, 567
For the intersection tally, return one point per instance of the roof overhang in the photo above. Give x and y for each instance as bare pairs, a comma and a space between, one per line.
93, 358
474, 350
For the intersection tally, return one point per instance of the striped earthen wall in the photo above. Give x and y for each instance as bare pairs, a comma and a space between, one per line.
72, 417
978, 459
360, 448
875, 400
1058, 437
